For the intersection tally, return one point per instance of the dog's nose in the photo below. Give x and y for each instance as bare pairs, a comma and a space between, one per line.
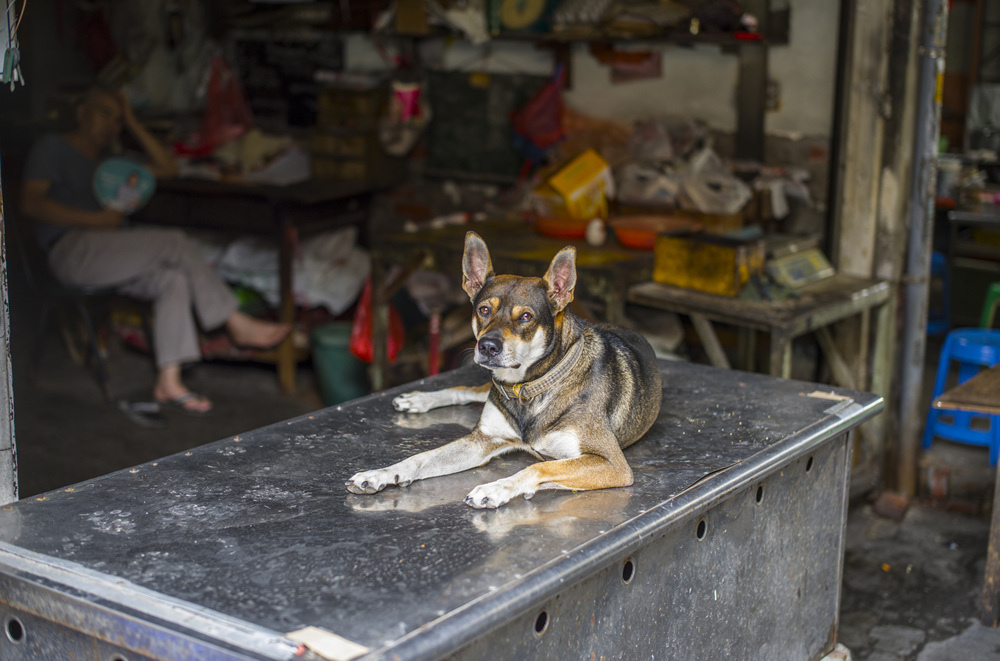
490, 346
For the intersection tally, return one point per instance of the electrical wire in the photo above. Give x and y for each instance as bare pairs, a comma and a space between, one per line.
24, 4
10, 33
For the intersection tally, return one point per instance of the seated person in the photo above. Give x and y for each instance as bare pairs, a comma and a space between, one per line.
89, 245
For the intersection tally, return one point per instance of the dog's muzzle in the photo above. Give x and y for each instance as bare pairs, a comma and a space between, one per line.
489, 350
489, 347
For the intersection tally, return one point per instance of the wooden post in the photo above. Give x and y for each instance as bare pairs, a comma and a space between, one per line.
869, 196
991, 580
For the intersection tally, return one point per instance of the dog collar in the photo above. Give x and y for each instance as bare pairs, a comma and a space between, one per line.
529, 389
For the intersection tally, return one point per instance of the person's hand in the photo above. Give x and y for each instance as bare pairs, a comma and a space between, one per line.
108, 219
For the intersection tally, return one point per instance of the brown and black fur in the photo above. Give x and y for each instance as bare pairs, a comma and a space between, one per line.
605, 398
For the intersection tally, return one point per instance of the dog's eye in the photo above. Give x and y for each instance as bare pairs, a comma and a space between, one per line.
484, 310
525, 316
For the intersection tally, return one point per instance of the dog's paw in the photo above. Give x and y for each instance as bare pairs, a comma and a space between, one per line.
414, 402
367, 482
494, 494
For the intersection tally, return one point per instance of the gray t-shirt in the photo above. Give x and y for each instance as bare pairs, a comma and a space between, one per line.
54, 159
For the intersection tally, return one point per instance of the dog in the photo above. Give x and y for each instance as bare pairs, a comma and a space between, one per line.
570, 393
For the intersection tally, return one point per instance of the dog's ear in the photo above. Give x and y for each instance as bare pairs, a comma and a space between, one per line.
476, 265
560, 279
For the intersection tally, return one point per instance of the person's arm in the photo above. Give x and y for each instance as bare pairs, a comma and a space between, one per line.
37, 206
161, 162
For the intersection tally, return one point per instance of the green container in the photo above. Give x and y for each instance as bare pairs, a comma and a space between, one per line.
342, 377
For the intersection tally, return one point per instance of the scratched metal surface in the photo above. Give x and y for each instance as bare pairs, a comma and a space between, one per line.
259, 528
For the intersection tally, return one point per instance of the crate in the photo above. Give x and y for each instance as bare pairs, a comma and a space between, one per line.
344, 143
350, 155
354, 107
706, 262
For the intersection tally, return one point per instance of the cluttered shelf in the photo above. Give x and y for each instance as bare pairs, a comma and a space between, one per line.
599, 34
600, 20
683, 35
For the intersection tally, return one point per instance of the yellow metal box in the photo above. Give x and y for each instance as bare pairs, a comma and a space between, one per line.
706, 262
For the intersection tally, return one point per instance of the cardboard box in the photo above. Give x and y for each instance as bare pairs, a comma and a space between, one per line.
580, 189
706, 262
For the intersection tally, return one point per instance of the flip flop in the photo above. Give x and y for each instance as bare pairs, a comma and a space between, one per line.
144, 414
178, 403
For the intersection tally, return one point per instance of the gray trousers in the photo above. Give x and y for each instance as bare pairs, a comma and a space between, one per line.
158, 265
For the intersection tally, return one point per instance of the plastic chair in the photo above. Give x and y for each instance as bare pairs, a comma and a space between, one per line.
53, 296
990, 304
939, 317
971, 349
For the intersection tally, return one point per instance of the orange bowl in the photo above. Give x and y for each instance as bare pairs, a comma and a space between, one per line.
561, 228
639, 232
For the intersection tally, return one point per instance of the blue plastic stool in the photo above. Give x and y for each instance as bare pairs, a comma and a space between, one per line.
939, 317
972, 349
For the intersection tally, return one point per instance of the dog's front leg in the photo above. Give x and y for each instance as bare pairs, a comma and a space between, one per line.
589, 471
422, 401
467, 452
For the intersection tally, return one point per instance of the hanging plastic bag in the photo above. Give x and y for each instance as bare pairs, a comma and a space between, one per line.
538, 126
361, 344
227, 114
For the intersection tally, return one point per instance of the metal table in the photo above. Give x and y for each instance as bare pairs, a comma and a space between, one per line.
729, 544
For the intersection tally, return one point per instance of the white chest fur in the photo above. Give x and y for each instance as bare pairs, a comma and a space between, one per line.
563, 444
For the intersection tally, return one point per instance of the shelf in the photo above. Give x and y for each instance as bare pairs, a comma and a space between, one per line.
678, 37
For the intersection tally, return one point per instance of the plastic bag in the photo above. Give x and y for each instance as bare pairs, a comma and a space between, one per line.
712, 188
227, 114
361, 332
538, 125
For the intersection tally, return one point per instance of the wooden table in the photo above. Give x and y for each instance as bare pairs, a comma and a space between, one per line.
966, 252
603, 273
820, 305
280, 212
981, 394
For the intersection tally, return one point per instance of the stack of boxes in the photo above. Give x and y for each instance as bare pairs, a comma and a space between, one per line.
344, 144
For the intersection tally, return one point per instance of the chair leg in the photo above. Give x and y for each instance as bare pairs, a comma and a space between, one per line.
103, 376
147, 328
995, 445
68, 323
990, 305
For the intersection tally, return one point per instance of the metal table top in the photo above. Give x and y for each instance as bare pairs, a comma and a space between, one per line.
255, 535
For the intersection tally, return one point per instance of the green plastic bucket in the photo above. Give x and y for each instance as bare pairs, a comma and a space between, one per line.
342, 377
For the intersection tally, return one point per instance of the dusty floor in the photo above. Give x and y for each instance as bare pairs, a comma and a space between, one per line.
910, 590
